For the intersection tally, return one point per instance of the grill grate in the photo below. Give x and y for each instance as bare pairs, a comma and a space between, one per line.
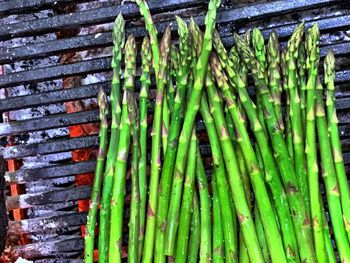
57, 232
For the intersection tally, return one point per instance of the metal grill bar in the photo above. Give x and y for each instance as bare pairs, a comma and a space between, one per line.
31, 175
103, 64
49, 122
19, 6
39, 225
57, 96
63, 248
104, 39
57, 196
89, 17
55, 72
20, 151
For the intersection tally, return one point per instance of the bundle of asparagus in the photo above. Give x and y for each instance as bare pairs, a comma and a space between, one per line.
262, 202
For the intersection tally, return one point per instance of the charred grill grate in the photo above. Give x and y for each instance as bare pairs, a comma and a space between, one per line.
53, 225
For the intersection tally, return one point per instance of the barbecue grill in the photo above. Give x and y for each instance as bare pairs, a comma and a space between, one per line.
55, 56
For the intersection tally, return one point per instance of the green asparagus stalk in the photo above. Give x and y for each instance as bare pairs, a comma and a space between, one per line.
329, 69
310, 144
185, 214
228, 228
298, 211
295, 114
205, 251
260, 54
330, 179
174, 132
193, 107
118, 191
273, 56
165, 124
159, 65
230, 127
155, 152
327, 235
145, 80
288, 125
134, 221
218, 238
152, 31
193, 246
237, 189
96, 188
302, 81
228, 215
261, 234
105, 212
272, 175
274, 240
243, 253
172, 71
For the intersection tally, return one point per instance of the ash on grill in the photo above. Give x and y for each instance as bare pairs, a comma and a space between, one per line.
38, 132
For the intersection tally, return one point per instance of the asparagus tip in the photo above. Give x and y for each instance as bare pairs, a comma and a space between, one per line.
102, 103
258, 39
329, 67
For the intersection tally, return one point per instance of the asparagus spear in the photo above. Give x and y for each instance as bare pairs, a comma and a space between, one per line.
193, 246
218, 244
152, 31
243, 253
295, 114
228, 215
105, 212
272, 175
172, 71
310, 144
95, 196
260, 54
329, 69
302, 81
237, 189
193, 107
330, 179
145, 83
185, 214
165, 124
298, 211
118, 191
261, 234
174, 132
205, 252
230, 238
273, 56
134, 221
156, 153
273, 237
288, 125
327, 235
